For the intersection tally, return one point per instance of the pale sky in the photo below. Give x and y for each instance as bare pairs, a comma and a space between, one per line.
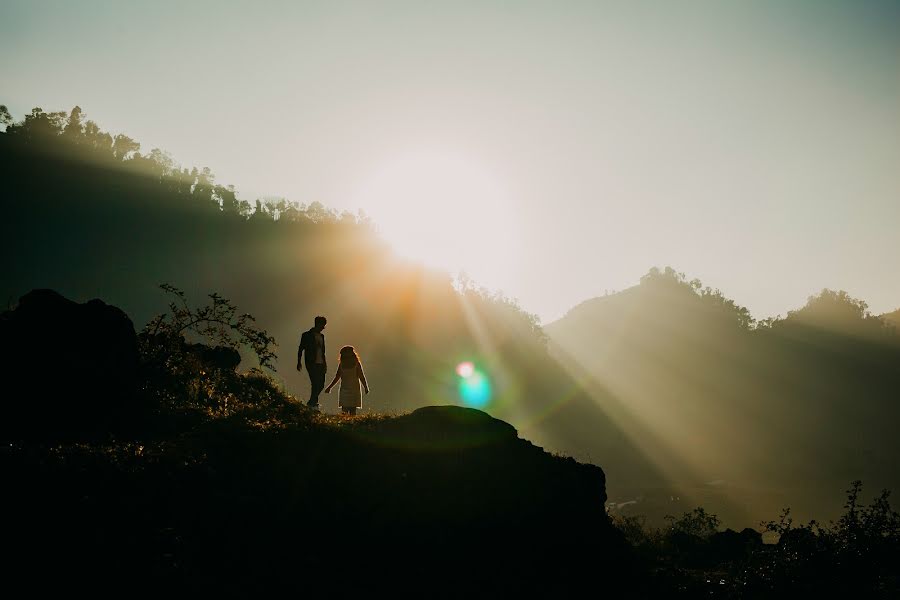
755, 145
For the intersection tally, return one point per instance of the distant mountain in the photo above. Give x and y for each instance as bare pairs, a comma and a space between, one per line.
725, 399
892, 317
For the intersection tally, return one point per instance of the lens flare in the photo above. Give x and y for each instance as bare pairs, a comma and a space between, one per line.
465, 369
475, 390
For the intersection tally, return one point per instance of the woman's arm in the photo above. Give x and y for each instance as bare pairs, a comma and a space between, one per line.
362, 377
337, 376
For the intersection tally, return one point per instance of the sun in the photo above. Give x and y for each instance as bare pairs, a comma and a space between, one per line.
445, 211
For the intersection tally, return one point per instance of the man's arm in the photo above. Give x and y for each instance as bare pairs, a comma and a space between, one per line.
300, 353
333, 381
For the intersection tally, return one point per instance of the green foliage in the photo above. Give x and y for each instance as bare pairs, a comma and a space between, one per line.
892, 320
217, 322
697, 522
834, 303
495, 307
862, 528
638, 534
179, 375
863, 545
832, 313
5, 118
713, 299
73, 136
858, 553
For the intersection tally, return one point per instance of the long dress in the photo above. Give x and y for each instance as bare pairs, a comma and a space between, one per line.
350, 397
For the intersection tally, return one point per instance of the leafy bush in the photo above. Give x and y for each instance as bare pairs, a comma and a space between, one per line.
697, 522
201, 376
858, 554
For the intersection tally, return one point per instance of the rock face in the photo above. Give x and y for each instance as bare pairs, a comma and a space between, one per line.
74, 366
217, 357
448, 496
442, 502
474, 451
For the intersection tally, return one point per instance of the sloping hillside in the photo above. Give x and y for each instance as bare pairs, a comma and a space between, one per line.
739, 409
152, 460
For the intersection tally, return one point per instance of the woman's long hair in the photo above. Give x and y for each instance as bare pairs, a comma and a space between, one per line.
349, 357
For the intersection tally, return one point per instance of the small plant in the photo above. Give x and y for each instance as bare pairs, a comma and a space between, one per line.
856, 556
200, 375
698, 522
217, 322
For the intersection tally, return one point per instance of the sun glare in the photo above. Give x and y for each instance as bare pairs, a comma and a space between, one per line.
465, 369
444, 211
474, 386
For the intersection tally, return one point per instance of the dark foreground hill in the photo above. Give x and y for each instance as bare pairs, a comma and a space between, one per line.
266, 495
442, 499
137, 464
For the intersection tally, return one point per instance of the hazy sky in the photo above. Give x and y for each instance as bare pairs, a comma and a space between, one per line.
755, 145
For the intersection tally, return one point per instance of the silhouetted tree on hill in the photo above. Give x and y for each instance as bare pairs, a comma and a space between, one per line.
892, 319
836, 311
5, 117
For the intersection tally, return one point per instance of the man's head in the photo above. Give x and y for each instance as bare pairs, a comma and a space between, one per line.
320, 323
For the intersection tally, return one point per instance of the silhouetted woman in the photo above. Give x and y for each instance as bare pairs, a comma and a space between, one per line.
350, 372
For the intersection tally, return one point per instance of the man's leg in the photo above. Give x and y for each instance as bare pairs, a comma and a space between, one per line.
317, 384
312, 371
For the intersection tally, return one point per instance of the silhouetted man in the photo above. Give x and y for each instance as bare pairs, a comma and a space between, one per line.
313, 343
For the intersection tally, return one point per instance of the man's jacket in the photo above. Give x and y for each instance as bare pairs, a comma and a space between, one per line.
308, 348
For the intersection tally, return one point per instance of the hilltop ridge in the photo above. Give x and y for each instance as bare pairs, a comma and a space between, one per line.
267, 494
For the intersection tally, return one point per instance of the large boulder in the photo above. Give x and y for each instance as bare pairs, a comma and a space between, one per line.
444, 452
446, 497
221, 358
73, 368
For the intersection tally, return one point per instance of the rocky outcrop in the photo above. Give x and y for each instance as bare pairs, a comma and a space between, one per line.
215, 357
73, 367
445, 494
